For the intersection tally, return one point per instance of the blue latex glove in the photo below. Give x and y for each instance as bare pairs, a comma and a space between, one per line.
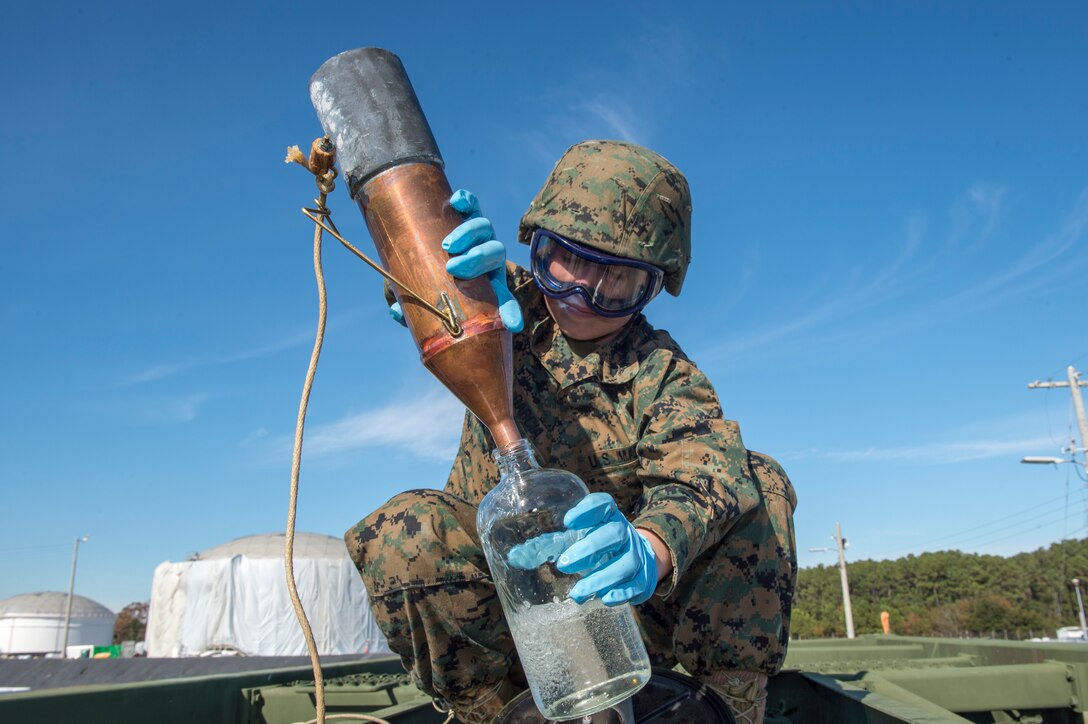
618, 562
397, 314
474, 252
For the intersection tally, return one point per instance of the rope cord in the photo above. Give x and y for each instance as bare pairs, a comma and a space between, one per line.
296, 464
324, 175
450, 714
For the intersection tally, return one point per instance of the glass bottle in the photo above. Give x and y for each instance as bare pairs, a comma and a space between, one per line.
578, 658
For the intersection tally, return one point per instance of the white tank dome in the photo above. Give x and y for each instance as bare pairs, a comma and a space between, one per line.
270, 545
34, 623
52, 603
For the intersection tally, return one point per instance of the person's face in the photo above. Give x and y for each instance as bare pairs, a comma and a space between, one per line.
575, 318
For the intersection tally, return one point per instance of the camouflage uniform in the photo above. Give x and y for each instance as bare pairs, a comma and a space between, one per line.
636, 419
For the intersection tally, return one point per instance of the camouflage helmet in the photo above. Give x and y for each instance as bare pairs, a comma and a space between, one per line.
621, 199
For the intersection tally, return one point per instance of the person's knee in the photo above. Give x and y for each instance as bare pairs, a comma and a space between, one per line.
734, 604
779, 500
403, 542
385, 537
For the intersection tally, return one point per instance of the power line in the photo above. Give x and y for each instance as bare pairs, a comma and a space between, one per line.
1014, 531
1077, 359
1049, 428
1065, 524
1069, 536
1017, 514
1027, 524
37, 547
956, 539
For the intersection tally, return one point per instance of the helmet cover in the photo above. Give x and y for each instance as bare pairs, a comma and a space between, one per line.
621, 199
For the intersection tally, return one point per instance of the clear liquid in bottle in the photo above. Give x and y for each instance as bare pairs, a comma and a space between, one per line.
578, 658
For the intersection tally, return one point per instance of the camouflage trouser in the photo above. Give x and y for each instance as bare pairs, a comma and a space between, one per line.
431, 593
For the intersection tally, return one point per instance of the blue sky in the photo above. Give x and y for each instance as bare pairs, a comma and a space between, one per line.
891, 221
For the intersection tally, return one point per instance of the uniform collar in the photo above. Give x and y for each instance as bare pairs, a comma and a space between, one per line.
615, 362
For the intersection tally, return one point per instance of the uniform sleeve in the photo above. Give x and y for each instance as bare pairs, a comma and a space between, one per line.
693, 467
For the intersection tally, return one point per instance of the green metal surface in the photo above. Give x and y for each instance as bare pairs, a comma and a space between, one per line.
203, 699
823, 699
959, 680
1018, 686
872, 679
386, 696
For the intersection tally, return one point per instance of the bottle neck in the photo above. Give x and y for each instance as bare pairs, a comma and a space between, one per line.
516, 458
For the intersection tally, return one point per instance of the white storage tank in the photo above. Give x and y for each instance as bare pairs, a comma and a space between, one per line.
233, 599
33, 623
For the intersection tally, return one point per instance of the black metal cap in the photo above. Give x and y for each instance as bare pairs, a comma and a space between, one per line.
369, 109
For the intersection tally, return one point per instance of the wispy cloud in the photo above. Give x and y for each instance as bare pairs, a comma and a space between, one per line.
1038, 261
974, 216
169, 410
297, 338
920, 284
187, 408
428, 426
625, 98
939, 453
169, 369
606, 114
861, 291
256, 435
617, 116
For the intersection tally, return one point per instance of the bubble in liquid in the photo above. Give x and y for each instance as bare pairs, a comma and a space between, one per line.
578, 657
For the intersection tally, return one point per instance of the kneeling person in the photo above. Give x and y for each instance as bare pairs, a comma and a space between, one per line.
598, 392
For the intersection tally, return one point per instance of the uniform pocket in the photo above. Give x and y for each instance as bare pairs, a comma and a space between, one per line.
614, 471
771, 479
779, 499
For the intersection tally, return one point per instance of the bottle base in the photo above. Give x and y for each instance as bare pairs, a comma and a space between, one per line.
597, 698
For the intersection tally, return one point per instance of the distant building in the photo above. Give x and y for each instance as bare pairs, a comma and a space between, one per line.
1071, 633
233, 599
32, 624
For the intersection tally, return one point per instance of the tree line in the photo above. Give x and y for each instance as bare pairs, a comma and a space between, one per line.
947, 593
131, 623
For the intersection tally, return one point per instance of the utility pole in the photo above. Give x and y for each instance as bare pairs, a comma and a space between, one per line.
841, 543
1074, 384
71, 589
1080, 605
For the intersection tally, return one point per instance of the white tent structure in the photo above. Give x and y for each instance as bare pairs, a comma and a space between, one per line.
33, 623
233, 598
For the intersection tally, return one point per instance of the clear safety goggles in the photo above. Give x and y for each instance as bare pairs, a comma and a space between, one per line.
611, 285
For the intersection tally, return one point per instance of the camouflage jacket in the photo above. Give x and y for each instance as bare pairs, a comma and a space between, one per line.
634, 418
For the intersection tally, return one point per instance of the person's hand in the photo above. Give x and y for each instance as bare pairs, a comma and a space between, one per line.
475, 252
617, 561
